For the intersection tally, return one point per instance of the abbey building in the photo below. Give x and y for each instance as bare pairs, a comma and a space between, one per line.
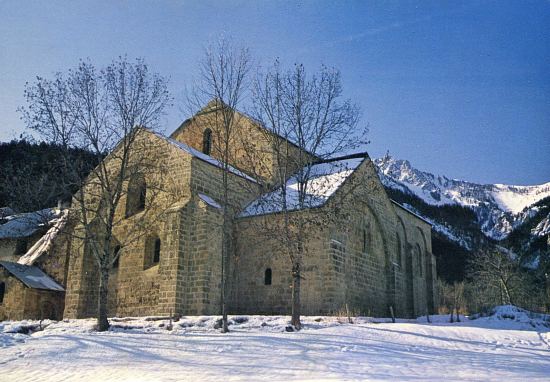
371, 255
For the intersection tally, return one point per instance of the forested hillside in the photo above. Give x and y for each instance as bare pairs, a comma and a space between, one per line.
32, 175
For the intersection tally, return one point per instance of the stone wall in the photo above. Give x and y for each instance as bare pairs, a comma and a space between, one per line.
138, 286
418, 268
250, 146
357, 252
187, 278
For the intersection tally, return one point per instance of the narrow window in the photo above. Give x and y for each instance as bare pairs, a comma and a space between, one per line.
267, 276
136, 197
2, 291
142, 196
156, 254
207, 141
117, 255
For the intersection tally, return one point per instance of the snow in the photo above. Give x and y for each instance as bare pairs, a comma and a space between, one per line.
323, 181
494, 348
26, 224
208, 200
543, 228
499, 208
44, 244
515, 198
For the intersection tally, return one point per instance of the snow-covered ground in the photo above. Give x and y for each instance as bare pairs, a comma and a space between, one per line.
509, 345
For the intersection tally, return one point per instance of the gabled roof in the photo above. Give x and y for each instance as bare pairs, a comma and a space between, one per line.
26, 224
202, 156
214, 105
44, 244
31, 276
324, 180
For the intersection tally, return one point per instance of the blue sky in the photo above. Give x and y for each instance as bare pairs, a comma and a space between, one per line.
460, 89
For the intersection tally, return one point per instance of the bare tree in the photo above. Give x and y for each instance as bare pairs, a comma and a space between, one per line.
106, 112
499, 278
452, 298
306, 123
222, 85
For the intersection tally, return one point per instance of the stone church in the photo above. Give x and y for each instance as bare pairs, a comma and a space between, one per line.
374, 255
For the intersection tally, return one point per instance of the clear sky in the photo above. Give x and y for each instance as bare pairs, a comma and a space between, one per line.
458, 88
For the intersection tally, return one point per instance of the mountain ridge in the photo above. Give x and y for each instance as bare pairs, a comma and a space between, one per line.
499, 208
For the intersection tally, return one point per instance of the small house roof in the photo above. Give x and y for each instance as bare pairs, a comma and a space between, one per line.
26, 224
32, 276
6, 211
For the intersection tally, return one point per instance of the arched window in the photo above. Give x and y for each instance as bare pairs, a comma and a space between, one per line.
207, 141
156, 253
267, 277
117, 255
2, 292
137, 194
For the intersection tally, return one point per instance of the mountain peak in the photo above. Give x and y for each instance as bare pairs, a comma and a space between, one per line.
499, 207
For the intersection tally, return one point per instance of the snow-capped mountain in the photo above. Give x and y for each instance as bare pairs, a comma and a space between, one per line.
499, 208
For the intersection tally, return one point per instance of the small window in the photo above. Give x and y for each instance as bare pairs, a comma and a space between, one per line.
156, 254
267, 277
117, 259
2, 292
365, 240
207, 141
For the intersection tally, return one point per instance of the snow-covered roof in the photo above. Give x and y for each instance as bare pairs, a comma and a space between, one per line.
44, 244
208, 200
5, 212
26, 224
31, 276
324, 180
202, 156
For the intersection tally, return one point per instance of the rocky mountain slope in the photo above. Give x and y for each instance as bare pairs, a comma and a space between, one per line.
499, 208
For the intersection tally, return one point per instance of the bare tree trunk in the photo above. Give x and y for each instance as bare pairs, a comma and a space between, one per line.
225, 277
296, 304
508, 300
102, 321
